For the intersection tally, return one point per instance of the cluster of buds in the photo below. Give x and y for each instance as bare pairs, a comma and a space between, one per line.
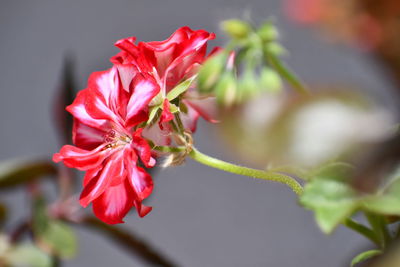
248, 67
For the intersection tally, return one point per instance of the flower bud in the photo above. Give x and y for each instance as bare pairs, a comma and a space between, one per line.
248, 86
270, 81
274, 48
237, 29
225, 89
268, 32
210, 72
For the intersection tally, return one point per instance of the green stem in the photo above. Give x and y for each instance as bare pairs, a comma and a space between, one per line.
378, 225
236, 169
363, 230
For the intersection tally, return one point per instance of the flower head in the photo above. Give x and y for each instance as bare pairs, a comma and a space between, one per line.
170, 63
111, 114
108, 144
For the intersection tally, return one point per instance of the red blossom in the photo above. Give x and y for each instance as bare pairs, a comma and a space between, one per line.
170, 62
108, 144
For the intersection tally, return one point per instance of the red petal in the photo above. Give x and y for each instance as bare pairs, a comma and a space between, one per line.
207, 108
160, 137
78, 110
86, 137
144, 88
189, 120
126, 74
141, 209
113, 205
81, 159
141, 182
143, 149
111, 173
166, 114
103, 94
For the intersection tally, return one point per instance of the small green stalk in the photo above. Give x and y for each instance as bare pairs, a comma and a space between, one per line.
379, 226
363, 230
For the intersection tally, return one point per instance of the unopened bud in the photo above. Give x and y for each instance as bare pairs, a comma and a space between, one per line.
275, 48
248, 86
225, 89
270, 81
210, 72
237, 29
268, 32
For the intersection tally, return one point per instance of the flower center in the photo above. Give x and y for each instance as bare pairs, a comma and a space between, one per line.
115, 139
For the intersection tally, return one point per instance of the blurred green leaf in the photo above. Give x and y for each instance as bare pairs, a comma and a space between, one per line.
39, 215
387, 201
16, 172
330, 196
332, 201
339, 171
54, 236
59, 239
365, 256
28, 255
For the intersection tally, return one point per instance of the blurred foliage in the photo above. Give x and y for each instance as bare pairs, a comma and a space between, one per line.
17, 172
52, 235
129, 241
304, 131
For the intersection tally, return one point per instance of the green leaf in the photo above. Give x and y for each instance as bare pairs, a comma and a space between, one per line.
16, 172
330, 195
59, 239
339, 171
28, 255
280, 67
386, 202
332, 201
180, 89
40, 218
365, 256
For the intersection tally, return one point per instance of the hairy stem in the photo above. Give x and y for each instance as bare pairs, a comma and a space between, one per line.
236, 169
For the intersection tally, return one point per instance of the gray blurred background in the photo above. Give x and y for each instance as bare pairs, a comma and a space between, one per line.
201, 216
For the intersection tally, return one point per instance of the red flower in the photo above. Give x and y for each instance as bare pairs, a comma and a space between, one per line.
170, 62
109, 144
